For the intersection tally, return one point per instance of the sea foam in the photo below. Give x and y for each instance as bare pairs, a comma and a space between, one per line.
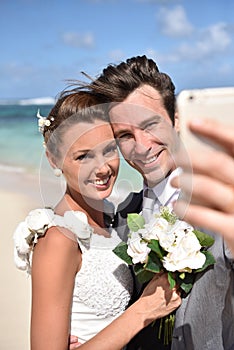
29, 101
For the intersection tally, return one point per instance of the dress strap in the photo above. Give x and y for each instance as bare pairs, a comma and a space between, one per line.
36, 225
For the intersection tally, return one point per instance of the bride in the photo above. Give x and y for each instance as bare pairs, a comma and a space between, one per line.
79, 286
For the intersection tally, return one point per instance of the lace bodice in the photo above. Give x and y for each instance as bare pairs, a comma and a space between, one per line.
102, 287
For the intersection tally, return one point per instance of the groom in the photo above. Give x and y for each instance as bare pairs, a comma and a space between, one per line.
146, 128
145, 125
143, 118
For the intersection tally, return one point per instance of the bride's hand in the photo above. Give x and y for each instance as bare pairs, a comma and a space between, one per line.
158, 299
73, 342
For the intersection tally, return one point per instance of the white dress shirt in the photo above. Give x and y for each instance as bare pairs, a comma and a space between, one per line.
164, 192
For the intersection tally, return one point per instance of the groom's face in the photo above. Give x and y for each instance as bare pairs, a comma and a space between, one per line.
145, 134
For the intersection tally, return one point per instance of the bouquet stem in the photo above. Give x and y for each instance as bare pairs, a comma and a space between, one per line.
167, 325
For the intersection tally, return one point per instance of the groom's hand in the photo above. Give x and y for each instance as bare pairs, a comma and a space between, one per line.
73, 342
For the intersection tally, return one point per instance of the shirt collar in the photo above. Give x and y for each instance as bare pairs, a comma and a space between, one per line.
164, 191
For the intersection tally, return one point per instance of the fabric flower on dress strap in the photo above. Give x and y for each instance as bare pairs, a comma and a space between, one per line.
27, 233
77, 223
35, 226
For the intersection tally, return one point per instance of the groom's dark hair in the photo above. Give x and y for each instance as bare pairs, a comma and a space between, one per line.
116, 82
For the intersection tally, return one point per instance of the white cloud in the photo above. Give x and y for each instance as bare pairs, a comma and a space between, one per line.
205, 44
174, 22
17, 71
216, 38
162, 58
212, 40
75, 39
116, 55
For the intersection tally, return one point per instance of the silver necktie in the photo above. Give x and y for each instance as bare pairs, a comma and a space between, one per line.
148, 204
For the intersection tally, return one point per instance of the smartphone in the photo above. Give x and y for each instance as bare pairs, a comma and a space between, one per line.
213, 103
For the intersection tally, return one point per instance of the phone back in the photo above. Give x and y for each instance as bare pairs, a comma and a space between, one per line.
213, 103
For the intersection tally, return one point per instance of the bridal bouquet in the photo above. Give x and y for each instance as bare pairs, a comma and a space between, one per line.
166, 244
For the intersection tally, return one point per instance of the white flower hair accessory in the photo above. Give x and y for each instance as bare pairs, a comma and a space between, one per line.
43, 121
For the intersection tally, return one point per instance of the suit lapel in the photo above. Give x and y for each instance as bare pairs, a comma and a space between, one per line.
132, 204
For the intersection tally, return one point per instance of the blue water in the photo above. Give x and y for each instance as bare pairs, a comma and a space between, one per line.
20, 142
21, 145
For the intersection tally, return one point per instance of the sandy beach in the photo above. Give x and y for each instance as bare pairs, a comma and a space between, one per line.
19, 193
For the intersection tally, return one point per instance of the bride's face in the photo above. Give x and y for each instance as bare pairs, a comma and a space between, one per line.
90, 159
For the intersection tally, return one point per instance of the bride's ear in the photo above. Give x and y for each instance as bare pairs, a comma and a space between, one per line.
57, 171
51, 159
177, 122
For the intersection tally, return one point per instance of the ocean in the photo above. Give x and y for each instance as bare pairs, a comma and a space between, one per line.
20, 142
21, 145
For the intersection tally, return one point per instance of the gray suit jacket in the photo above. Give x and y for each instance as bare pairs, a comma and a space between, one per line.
205, 319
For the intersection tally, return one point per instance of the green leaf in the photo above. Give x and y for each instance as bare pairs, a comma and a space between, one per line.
166, 214
187, 282
155, 246
171, 279
135, 222
205, 240
153, 263
182, 276
142, 274
210, 260
121, 251
186, 287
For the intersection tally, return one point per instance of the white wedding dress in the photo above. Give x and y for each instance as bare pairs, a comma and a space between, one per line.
103, 286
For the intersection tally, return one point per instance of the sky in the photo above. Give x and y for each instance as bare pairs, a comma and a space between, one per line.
45, 43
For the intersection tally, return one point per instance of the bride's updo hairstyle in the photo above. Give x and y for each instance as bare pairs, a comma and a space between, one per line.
72, 107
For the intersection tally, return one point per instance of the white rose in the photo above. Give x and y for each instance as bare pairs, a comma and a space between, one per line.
168, 240
146, 233
166, 236
137, 249
77, 222
181, 227
39, 218
187, 242
185, 255
154, 228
